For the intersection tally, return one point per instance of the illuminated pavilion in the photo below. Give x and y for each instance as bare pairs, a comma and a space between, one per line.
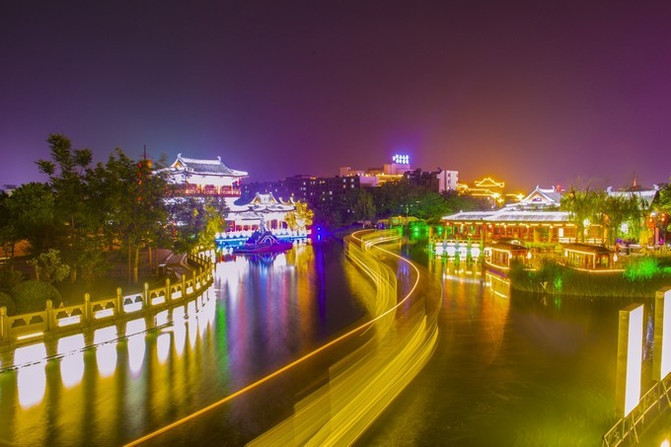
490, 189
248, 216
193, 176
523, 225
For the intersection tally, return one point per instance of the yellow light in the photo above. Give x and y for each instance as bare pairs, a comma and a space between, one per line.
103, 313
67, 321
279, 371
29, 336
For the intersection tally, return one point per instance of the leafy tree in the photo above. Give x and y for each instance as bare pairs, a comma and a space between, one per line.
32, 295
363, 207
662, 206
300, 218
459, 202
581, 205
616, 210
195, 221
430, 206
9, 233
327, 213
28, 214
74, 216
49, 267
132, 197
9, 277
8, 302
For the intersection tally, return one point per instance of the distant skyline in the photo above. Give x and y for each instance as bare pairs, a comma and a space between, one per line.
528, 92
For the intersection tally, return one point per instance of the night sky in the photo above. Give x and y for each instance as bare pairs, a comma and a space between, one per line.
531, 92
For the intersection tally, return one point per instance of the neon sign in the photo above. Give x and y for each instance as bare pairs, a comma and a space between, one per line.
401, 159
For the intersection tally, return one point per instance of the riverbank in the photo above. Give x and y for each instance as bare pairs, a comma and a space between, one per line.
163, 264
555, 279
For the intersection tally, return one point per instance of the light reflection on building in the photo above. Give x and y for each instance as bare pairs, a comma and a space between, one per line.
31, 379
72, 363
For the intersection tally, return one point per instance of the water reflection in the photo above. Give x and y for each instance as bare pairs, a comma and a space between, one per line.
163, 347
72, 363
106, 354
31, 379
136, 345
131, 381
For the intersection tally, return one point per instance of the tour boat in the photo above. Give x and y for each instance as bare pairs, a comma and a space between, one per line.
263, 241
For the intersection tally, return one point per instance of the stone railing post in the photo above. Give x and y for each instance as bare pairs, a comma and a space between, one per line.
50, 315
193, 274
183, 286
168, 294
87, 308
145, 295
3, 323
119, 301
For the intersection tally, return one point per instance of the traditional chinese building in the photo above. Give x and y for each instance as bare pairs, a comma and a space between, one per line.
192, 176
490, 189
539, 199
523, 225
263, 207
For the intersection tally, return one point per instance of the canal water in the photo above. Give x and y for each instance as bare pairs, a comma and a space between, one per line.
262, 313
509, 369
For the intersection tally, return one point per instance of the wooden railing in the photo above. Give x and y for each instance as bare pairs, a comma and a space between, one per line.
56, 321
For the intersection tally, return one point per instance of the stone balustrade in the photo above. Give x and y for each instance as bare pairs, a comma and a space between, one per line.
54, 322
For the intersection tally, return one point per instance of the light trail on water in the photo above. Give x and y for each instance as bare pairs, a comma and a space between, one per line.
409, 351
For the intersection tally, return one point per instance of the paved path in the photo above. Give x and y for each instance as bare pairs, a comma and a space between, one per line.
175, 262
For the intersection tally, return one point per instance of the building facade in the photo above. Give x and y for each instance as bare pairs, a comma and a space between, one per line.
193, 176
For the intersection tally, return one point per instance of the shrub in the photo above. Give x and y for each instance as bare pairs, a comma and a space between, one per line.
32, 295
642, 269
8, 302
9, 278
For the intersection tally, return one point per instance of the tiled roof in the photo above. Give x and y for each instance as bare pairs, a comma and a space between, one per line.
506, 215
199, 166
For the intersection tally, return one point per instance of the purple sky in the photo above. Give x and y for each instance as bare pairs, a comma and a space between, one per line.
531, 92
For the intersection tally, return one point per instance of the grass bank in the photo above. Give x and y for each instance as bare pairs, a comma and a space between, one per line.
641, 279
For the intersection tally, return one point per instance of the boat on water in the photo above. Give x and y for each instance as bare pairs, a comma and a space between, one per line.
263, 241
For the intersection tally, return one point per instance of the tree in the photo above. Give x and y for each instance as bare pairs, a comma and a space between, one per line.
132, 197
615, 211
363, 207
9, 234
662, 206
29, 214
195, 221
49, 267
458, 202
74, 216
300, 217
581, 205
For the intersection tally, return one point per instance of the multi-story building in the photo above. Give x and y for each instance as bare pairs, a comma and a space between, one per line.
305, 189
447, 180
426, 179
